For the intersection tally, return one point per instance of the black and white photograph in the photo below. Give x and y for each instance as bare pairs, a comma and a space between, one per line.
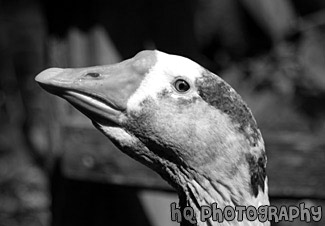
162, 113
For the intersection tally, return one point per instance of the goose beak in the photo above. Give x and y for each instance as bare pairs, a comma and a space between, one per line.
100, 92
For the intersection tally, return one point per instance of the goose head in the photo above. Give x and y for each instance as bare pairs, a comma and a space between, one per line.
176, 117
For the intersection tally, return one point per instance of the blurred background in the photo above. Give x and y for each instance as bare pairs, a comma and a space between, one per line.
56, 170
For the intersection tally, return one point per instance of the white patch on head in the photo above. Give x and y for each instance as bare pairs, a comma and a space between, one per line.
161, 77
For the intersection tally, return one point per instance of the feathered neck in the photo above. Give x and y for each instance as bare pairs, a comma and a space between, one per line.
202, 191
225, 182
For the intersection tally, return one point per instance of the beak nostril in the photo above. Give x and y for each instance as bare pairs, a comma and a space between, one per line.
93, 74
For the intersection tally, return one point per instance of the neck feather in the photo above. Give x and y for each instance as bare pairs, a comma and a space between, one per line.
198, 187
205, 192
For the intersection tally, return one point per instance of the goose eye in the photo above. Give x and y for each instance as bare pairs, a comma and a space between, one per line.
93, 74
181, 85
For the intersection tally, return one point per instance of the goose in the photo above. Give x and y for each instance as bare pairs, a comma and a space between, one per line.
180, 120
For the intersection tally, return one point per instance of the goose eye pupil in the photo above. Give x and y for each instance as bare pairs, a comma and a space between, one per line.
181, 85
93, 74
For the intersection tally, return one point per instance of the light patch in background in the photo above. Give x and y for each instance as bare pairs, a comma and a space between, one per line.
82, 49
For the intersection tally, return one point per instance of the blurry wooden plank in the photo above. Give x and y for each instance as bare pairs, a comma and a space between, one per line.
102, 48
296, 165
91, 156
83, 49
